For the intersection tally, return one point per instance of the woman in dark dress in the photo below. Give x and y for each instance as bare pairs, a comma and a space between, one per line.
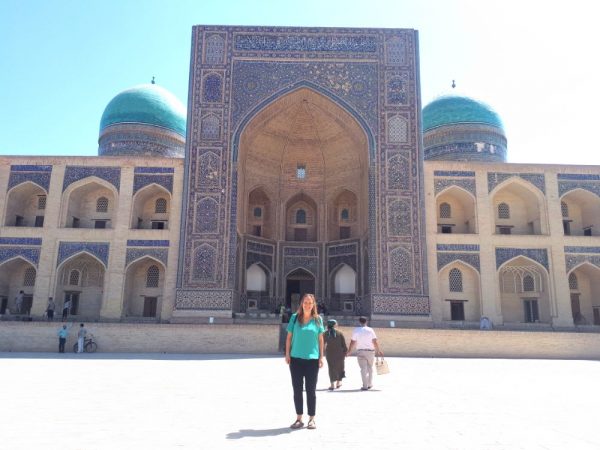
335, 352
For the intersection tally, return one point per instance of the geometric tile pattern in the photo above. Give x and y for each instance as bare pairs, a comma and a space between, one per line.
400, 305
206, 299
160, 254
68, 249
539, 255
39, 175
537, 179
76, 173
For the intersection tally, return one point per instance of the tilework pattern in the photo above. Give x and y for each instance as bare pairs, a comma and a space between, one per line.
539, 255
400, 305
26, 248
160, 254
445, 258
68, 249
76, 173
147, 243
38, 174
537, 179
443, 183
570, 181
204, 299
453, 173
573, 260
142, 180
20, 241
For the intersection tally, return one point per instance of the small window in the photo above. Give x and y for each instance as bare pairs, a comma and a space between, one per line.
587, 231
528, 284
344, 232
257, 230
455, 280
573, 284
446, 229
300, 216
99, 223
301, 171
504, 230
76, 222
29, 277
160, 206
74, 278
39, 221
41, 202
158, 224
345, 214
564, 208
257, 212
445, 211
457, 310
567, 227
503, 211
102, 204
19, 221
152, 276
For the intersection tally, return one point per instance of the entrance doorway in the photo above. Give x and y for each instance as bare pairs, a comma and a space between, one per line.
298, 283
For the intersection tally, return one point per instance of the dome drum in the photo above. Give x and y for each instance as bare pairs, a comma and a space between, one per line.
140, 140
465, 142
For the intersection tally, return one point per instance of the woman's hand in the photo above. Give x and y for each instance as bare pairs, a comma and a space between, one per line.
287, 359
320, 362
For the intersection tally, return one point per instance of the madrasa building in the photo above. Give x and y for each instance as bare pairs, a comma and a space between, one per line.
303, 163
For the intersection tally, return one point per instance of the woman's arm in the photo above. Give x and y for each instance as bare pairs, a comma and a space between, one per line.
321, 345
288, 345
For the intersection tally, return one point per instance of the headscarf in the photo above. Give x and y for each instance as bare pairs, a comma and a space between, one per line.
331, 323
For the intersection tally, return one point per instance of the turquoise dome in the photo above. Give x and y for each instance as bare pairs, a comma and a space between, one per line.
146, 104
453, 110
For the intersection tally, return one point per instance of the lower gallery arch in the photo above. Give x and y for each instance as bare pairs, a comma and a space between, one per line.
80, 280
584, 286
460, 292
143, 293
524, 293
16, 275
297, 283
258, 287
342, 289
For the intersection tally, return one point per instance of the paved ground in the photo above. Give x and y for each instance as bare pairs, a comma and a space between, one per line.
115, 401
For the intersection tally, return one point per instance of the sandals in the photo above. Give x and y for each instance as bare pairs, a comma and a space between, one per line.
297, 424
331, 388
311, 424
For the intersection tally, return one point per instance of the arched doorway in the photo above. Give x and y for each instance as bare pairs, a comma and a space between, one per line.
298, 283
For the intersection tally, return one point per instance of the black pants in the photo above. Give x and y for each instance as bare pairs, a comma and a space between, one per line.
50, 314
61, 345
304, 372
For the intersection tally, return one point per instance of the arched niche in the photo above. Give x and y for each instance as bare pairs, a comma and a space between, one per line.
144, 286
90, 203
456, 213
301, 219
25, 206
581, 213
524, 291
151, 208
584, 287
259, 219
81, 280
344, 216
16, 275
525, 203
459, 292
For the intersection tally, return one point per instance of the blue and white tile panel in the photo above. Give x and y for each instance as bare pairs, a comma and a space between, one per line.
68, 249
539, 255
38, 174
76, 173
26, 248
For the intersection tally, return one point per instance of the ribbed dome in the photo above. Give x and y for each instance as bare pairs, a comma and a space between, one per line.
458, 110
147, 104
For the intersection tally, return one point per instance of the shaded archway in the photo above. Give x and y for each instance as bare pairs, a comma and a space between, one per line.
89, 203
151, 208
580, 213
518, 208
459, 292
80, 280
298, 283
144, 284
456, 211
25, 206
16, 275
584, 287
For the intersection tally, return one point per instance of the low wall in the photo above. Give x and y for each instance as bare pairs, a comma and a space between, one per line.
264, 339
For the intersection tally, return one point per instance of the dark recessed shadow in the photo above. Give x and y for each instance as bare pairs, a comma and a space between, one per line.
259, 433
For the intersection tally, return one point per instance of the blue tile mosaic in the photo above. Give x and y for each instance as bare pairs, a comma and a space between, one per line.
443, 183
458, 247
573, 249
404, 305
567, 186
342, 249
206, 299
141, 181
537, 179
253, 258
578, 176
39, 175
471, 259
146, 243
20, 241
133, 254
259, 247
76, 173
154, 170
301, 251
539, 255
31, 254
572, 261
304, 43
68, 249
453, 173
30, 168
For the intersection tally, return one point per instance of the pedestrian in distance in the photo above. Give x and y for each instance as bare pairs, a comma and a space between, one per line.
304, 355
335, 353
81, 338
50, 309
63, 334
66, 309
365, 341
19, 301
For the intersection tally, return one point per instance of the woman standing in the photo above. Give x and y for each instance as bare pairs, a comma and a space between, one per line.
304, 354
335, 352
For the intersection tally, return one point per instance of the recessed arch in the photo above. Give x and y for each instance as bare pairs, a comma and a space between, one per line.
140, 298
143, 208
463, 207
463, 303
583, 213
79, 204
23, 208
585, 295
526, 202
13, 279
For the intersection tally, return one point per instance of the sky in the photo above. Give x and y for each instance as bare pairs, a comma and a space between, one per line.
535, 63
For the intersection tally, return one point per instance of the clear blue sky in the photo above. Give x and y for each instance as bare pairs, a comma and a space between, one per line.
534, 63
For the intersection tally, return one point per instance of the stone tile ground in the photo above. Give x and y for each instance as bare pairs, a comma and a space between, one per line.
145, 401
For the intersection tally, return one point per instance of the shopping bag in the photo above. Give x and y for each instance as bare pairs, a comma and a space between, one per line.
382, 366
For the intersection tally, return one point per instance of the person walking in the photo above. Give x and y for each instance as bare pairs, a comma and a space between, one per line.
63, 334
66, 309
365, 341
335, 352
19, 301
304, 355
81, 338
50, 309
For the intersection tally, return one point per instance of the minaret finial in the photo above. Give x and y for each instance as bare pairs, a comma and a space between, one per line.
453, 84
153, 82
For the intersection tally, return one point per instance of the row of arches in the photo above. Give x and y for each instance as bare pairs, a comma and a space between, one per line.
80, 280
519, 208
90, 203
524, 292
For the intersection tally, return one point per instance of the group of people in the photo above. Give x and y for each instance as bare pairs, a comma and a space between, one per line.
63, 334
50, 308
307, 343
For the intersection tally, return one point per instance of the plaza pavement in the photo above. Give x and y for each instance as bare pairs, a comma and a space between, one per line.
154, 401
